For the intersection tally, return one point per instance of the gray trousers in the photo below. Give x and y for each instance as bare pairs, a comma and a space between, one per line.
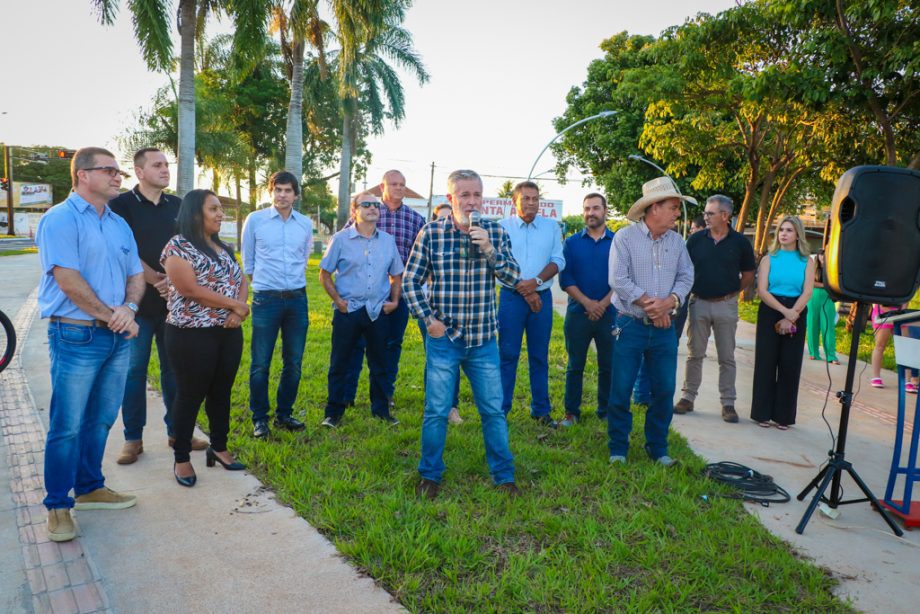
721, 318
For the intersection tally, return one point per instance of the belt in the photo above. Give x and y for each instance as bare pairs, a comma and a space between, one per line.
644, 320
717, 299
282, 293
93, 323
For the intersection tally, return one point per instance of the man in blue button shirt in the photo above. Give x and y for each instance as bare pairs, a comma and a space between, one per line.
536, 243
590, 315
90, 288
368, 281
276, 245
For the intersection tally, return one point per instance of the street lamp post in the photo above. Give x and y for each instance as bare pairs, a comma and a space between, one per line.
661, 170
553, 140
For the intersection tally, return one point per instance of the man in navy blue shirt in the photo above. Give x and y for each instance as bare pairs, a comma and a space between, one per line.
589, 315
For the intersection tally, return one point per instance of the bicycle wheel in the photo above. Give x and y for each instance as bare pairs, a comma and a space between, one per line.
7, 341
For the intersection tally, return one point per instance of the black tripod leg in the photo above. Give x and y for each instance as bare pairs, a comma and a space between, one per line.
813, 483
828, 473
862, 486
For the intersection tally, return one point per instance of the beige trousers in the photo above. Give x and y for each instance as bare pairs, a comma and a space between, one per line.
721, 318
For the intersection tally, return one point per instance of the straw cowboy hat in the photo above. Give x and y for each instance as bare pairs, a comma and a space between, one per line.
656, 190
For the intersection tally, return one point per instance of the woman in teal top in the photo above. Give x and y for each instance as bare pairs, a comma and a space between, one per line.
785, 281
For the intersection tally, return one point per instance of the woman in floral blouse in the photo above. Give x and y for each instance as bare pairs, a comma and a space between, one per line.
207, 304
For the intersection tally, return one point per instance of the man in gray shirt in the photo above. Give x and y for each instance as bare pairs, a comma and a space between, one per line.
651, 275
368, 281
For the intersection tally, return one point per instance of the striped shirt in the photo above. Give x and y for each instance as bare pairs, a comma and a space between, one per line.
641, 265
461, 287
403, 223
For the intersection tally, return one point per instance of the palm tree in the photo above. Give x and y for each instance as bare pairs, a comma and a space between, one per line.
370, 88
152, 31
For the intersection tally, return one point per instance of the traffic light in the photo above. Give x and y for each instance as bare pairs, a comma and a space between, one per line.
65, 154
4, 184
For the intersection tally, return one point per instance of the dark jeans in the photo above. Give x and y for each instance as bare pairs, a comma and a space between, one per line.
272, 312
514, 319
777, 366
134, 403
642, 391
347, 329
657, 347
205, 361
395, 325
579, 332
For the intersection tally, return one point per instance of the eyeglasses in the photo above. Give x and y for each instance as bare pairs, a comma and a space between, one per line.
111, 171
368, 204
710, 213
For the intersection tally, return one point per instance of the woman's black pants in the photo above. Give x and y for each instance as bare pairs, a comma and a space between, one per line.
777, 366
204, 361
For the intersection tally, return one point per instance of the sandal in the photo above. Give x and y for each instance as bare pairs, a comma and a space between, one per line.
876, 382
765, 425
782, 427
835, 362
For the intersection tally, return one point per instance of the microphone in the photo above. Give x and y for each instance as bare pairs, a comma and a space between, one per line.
475, 219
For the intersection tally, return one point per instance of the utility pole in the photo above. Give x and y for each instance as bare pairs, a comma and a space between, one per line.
431, 191
8, 173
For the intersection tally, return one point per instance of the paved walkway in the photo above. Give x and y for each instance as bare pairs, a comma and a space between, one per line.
228, 546
225, 546
878, 571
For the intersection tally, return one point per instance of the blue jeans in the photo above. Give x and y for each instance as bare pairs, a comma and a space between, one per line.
642, 392
271, 312
658, 348
134, 404
395, 324
88, 370
424, 331
347, 329
443, 359
514, 319
579, 332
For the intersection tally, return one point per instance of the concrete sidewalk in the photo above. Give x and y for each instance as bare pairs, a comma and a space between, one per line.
878, 571
224, 546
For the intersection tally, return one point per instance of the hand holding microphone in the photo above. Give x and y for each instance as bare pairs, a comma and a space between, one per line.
479, 236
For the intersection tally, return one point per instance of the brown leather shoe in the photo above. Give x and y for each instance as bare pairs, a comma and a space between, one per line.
509, 488
428, 489
60, 525
130, 451
729, 414
683, 407
197, 444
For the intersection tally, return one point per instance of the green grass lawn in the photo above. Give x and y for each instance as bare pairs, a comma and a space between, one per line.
748, 312
584, 537
18, 252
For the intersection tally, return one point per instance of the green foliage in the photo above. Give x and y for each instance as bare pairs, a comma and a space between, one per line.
506, 190
56, 172
573, 224
584, 537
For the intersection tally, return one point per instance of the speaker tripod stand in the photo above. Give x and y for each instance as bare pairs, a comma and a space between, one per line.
832, 472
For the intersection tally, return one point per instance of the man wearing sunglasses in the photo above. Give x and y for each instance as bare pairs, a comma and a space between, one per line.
277, 242
151, 214
368, 275
91, 285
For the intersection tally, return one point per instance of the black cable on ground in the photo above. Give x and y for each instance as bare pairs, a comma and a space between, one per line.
752, 485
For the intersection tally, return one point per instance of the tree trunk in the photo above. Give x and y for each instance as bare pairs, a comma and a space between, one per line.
750, 188
253, 187
765, 186
293, 149
239, 215
186, 173
345, 172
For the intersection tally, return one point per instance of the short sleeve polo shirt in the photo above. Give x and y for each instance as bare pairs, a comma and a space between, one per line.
718, 266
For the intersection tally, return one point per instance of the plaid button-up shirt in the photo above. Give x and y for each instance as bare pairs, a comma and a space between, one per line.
404, 224
461, 287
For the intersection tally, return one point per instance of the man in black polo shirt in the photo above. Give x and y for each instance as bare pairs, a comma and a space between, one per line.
723, 262
151, 214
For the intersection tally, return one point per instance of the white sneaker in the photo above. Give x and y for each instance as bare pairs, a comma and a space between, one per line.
616, 458
454, 416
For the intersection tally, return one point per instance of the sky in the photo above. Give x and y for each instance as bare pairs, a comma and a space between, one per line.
500, 71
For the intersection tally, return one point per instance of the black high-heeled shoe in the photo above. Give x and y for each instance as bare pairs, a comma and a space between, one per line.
185, 481
212, 458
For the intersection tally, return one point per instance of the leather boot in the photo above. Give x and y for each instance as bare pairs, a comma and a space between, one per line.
131, 450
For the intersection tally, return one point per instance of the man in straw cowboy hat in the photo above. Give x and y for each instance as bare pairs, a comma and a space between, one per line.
650, 274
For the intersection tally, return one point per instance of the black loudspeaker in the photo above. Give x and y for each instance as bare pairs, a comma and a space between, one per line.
872, 251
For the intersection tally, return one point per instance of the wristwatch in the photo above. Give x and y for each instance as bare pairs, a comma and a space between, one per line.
539, 281
132, 307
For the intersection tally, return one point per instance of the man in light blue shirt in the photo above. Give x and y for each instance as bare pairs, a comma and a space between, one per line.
536, 243
90, 288
276, 245
368, 281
